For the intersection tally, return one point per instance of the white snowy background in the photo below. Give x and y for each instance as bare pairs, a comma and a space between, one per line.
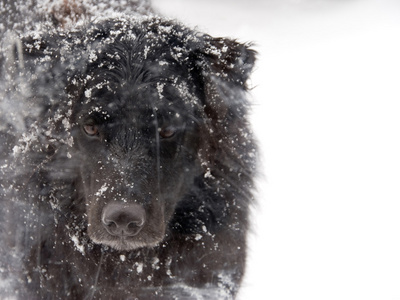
327, 116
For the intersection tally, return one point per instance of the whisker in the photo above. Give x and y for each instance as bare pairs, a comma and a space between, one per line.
157, 136
96, 279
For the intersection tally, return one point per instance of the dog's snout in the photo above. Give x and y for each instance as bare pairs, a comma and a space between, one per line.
120, 219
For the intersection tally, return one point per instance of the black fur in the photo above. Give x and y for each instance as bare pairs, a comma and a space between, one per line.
142, 119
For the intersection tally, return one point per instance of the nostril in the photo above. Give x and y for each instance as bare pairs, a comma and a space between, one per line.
110, 224
123, 219
133, 225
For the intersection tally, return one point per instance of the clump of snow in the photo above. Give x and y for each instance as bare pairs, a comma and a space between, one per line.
102, 190
139, 267
155, 263
160, 89
208, 174
77, 244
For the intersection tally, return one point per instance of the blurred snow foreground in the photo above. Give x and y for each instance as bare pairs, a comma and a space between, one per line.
21, 18
36, 140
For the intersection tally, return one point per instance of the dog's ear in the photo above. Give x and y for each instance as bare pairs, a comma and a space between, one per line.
225, 67
228, 60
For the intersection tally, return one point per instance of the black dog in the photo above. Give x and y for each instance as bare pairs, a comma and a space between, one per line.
134, 177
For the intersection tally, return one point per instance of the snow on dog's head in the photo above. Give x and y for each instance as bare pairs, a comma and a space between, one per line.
144, 108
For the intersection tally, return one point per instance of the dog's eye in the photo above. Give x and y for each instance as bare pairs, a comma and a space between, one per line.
167, 132
91, 129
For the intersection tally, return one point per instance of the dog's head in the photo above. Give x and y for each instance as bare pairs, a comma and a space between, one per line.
152, 105
148, 100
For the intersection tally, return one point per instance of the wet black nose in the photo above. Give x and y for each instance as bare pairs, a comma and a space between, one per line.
120, 219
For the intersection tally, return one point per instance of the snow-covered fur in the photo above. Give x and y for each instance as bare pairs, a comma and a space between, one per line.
126, 160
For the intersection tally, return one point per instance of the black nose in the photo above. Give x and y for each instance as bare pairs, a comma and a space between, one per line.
121, 219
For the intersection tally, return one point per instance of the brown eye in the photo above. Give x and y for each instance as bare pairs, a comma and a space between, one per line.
91, 130
167, 132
